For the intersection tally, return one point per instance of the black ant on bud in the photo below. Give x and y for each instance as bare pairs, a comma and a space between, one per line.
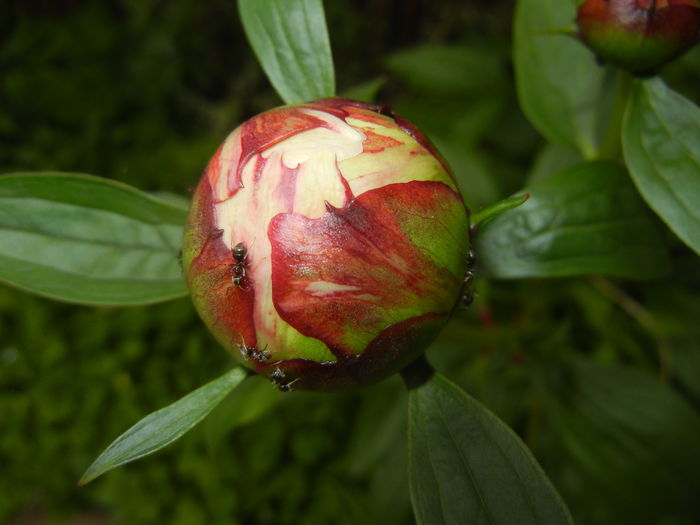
468, 295
251, 352
239, 254
279, 379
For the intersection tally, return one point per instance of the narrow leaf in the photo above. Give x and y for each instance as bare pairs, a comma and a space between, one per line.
498, 208
467, 466
661, 143
164, 426
290, 39
252, 399
88, 240
557, 78
588, 219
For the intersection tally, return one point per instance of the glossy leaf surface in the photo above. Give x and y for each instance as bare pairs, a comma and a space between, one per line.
588, 219
467, 466
661, 138
164, 426
290, 39
558, 80
88, 240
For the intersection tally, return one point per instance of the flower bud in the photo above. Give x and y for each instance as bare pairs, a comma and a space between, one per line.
639, 35
326, 244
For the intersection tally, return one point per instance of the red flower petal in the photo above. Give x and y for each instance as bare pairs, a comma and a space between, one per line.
227, 308
349, 274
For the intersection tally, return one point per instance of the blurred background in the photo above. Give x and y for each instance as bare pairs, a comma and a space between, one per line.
599, 377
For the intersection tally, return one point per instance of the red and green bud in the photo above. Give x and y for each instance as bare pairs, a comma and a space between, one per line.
326, 244
639, 35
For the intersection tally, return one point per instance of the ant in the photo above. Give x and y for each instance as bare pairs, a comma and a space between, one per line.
239, 254
251, 352
468, 296
279, 379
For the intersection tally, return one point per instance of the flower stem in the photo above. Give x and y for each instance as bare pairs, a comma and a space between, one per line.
417, 373
643, 316
611, 148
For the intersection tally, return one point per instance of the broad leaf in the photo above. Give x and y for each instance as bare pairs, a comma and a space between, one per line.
633, 439
588, 219
88, 240
467, 466
290, 39
558, 80
164, 426
661, 142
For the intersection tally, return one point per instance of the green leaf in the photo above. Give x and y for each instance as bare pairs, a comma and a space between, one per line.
164, 426
88, 240
551, 159
251, 400
558, 80
290, 39
497, 208
661, 143
467, 466
588, 219
634, 438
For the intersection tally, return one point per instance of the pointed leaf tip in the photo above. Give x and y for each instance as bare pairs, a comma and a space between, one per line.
467, 466
498, 208
163, 426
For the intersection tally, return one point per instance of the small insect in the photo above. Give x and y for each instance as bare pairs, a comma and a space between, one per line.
251, 352
467, 288
280, 379
239, 254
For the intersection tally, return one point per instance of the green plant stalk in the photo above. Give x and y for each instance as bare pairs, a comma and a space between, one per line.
640, 314
611, 147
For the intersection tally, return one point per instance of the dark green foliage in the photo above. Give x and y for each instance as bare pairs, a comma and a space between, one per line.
557, 78
164, 426
142, 92
583, 220
662, 149
464, 461
625, 429
600, 377
72, 379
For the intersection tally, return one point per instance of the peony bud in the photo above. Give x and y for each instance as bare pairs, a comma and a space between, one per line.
326, 244
639, 35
